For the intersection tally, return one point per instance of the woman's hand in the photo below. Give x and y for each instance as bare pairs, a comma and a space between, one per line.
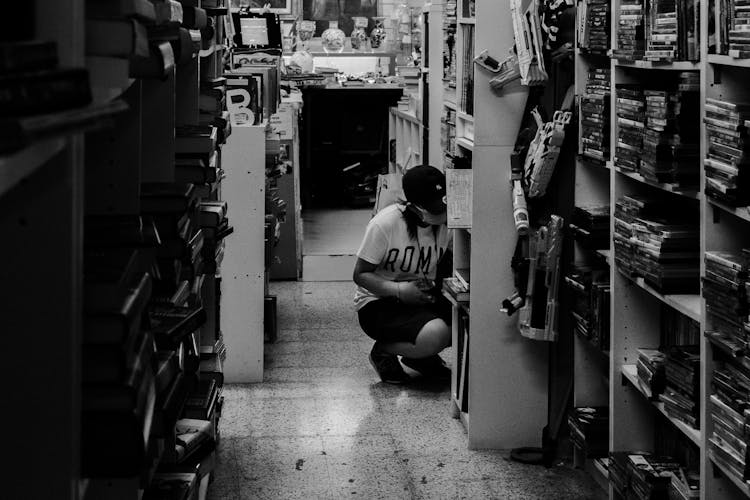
410, 293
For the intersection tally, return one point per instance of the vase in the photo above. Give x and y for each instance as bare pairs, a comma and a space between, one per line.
333, 38
378, 33
305, 31
358, 37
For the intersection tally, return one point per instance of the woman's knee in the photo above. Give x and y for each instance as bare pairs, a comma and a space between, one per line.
434, 336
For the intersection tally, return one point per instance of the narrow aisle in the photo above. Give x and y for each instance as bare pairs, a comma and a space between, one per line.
323, 426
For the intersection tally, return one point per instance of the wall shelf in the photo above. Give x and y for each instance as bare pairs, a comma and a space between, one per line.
741, 212
674, 66
671, 188
728, 61
689, 305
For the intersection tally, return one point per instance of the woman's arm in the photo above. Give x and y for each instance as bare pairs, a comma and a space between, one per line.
365, 277
406, 291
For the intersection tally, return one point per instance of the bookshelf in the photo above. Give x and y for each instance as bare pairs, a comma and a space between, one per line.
119, 218
407, 132
492, 354
42, 208
416, 132
636, 416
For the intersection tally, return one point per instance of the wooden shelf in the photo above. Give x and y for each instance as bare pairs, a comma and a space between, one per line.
465, 143
743, 486
19, 165
450, 105
663, 186
630, 373
467, 20
675, 66
728, 61
741, 212
466, 306
464, 116
689, 305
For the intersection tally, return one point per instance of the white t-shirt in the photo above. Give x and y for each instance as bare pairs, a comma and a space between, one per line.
398, 257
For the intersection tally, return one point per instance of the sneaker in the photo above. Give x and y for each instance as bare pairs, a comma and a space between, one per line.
387, 366
431, 366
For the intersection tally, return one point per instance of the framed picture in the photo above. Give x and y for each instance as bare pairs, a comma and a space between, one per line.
277, 6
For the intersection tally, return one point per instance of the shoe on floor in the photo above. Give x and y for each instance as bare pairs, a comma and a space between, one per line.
387, 366
431, 366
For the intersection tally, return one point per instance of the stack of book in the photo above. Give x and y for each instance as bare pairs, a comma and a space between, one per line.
631, 122
119, 394
682, 393
591, 226
590, 304
466, 99
448, 133
671, 137
728, 442
662, 31
457, 288
733, 28
666, 254
725, 291
630, 31
657, 242
213, 107
595, 107
595, 26
642, 476
726, 163
676, 328
589, 430
685, 485
651, 370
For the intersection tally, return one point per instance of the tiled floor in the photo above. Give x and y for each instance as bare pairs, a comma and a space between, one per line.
322, 426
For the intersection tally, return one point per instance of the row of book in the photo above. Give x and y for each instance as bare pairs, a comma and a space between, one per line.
448, 133
589, 430
466, 99
729, 34
726, 162
591, 295
153, 350
594, 26
646, 476
724, 288
595, 114
658, 241
590, 224
658, 131
658, 30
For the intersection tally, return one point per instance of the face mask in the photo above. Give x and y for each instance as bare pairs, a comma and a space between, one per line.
433, 219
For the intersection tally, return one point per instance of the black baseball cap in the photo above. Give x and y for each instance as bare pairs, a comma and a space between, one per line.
424, 186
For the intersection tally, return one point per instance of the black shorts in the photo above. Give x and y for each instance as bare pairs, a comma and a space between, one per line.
388, 320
